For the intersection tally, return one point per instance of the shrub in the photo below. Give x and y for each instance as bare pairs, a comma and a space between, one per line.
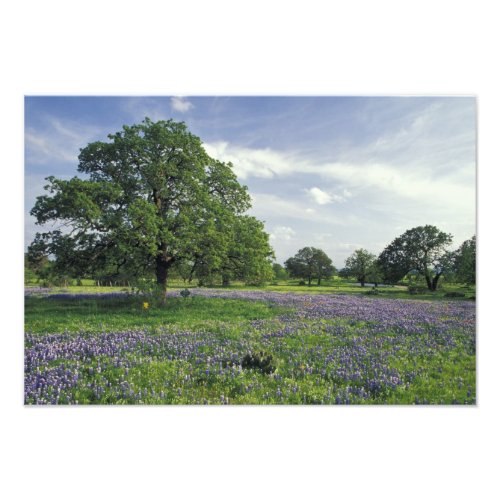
454, 294
185, 293
150, 291
302, 283
373, 291
258, 360
413, 289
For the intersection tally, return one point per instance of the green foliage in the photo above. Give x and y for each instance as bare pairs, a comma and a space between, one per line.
280, 273
362, 265
259, 360
150, 291
420, 249
244, 255
464, 260
310, 263
185, 293
153, 199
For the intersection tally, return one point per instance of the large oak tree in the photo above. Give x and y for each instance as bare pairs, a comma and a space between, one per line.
151, 197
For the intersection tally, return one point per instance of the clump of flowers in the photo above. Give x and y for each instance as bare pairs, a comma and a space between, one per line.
145, 306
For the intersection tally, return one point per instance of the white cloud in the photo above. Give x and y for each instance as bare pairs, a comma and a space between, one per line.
266, 205
418, 186
319, 196
181, 104
385, 183
323, 198
282, 233
248, 162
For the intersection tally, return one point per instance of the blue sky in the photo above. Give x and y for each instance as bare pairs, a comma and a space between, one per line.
337, 173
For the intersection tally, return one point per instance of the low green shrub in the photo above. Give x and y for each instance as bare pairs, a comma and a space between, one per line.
258, 360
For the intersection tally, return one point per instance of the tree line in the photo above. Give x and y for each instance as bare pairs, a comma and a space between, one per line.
151, 204
419, 252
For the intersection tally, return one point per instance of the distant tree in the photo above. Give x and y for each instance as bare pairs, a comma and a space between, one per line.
361, 264
280, 273
465, 261
310, 263
420, 249
344, 273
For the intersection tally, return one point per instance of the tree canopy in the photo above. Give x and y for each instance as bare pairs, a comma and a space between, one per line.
420, 249
361, 264
151, 198
464, 261
310, 263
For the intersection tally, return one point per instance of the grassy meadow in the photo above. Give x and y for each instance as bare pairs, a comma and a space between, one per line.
282, 344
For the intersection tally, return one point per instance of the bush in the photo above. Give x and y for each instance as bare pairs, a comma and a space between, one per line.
302, 283
413, 289
185, 293
150, 291
373, 291
258, 360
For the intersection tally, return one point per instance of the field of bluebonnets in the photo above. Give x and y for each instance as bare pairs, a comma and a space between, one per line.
248, 347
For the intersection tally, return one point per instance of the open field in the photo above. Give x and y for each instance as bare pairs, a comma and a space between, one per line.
335, 286
250, 347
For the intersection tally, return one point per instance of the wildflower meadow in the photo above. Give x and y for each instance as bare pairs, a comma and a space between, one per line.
248, 347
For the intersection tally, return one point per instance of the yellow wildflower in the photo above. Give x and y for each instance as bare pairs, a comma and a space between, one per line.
145, 305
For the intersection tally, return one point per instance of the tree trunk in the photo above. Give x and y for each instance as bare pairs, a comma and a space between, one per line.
429, 282
162, 266
435, 282
310, 277
319, 281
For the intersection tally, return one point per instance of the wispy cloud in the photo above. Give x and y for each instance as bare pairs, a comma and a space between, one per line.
264, 204
249, 162
181, 104
58, 141
425, 188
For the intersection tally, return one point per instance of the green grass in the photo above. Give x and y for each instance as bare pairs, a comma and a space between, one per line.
43, 315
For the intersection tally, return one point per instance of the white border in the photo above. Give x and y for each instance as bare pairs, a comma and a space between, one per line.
358, 48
